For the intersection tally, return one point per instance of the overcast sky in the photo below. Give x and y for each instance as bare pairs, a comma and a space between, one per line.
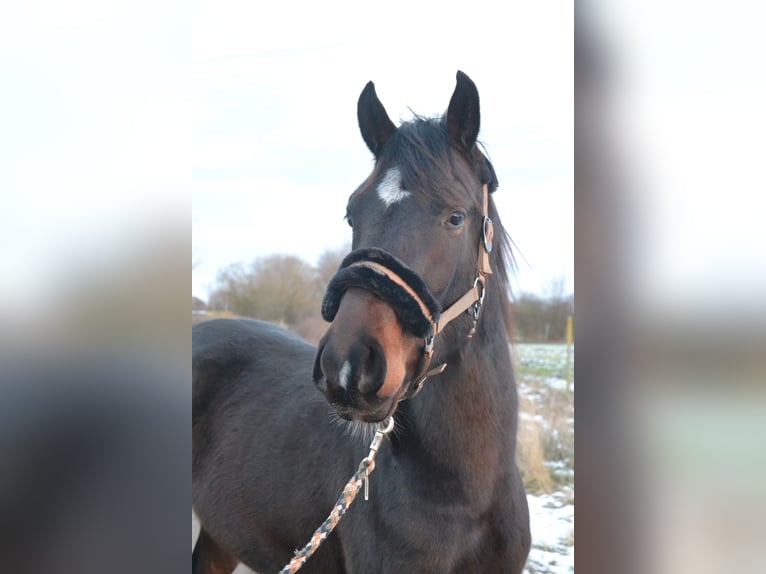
101, 101
276, 146
111, 113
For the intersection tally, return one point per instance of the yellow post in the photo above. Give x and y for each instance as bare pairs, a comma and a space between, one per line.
569, 350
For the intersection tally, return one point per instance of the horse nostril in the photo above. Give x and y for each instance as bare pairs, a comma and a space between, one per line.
361, 368
332, 373
374, 370
318, 376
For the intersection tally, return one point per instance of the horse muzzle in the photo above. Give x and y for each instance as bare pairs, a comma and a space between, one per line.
365, 360
382, 319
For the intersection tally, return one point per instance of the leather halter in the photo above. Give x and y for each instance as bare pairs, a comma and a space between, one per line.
390, 279
471, 301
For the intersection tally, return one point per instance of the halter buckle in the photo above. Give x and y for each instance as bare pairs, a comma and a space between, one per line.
429, 344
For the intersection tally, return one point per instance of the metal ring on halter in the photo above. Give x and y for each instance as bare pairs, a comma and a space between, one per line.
476, 282
488, 232
378, 438
429, 344
389, 426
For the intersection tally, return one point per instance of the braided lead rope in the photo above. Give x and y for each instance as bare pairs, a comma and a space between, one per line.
346, 498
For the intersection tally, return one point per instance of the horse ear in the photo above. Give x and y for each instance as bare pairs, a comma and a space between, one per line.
463, 112
374, 123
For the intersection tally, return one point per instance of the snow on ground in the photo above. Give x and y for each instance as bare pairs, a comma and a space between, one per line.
541, 370
557, 383
552, 520
544, 361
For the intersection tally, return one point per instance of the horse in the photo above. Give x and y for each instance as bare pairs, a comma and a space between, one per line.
419, 316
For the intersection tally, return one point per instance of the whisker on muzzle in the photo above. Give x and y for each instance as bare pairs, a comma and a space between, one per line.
358, 431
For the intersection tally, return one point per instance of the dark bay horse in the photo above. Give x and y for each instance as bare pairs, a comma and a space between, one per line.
422, 286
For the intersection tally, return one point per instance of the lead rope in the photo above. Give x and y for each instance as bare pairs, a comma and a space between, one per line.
361, 476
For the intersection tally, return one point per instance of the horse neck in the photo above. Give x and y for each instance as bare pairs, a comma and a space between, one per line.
468, 412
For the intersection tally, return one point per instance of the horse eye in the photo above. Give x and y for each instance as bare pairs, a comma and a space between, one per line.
456, 218
347, 217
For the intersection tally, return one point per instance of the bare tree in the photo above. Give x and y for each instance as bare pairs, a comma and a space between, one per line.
543, 318
328, 264
279, 288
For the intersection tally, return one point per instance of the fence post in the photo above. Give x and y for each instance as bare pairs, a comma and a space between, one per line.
569, 351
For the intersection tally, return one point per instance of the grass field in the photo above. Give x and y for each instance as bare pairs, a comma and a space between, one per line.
546, 453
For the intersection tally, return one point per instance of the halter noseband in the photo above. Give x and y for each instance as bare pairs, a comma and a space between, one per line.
384, 275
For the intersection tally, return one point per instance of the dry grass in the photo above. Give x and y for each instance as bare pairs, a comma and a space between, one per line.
212, 315
310, 328
531, 450
546, 421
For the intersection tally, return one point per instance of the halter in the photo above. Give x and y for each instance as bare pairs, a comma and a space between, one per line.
384, 275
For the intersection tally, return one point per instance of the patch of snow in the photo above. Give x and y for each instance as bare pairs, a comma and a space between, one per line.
552, 522
558, 383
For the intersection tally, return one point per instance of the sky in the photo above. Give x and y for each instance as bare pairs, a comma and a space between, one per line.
276, 146
94, 140
113, 114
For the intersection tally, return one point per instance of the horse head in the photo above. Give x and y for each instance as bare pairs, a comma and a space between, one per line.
421, 239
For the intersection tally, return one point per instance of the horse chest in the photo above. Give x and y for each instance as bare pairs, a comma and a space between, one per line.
444, 541
402, 530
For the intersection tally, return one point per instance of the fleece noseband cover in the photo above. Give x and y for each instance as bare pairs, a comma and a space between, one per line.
362, 269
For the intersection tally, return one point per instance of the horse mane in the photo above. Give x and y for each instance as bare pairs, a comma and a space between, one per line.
420, 148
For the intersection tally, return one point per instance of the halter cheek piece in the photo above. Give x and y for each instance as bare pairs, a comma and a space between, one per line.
384, 275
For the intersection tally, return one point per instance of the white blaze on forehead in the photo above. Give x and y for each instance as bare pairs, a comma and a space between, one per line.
345, 372
390, 188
